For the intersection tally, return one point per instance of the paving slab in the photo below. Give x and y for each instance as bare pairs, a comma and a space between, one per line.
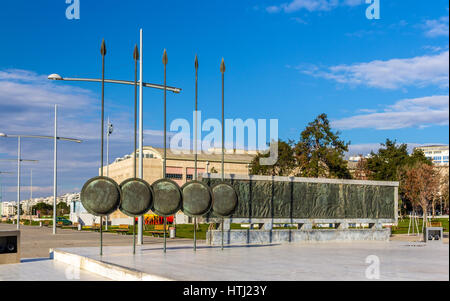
45, 269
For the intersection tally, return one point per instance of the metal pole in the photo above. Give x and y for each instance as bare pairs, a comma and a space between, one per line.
103, 53
31, 192
136, 58
165, 112
107, 148
107, 161
195, 143
141, 132
164, 60
18, 183
222, 70
165, 239
55, 154
134, 235
195, 121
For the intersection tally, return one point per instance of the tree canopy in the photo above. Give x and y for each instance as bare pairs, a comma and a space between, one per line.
318, 153
390, 159
283, 167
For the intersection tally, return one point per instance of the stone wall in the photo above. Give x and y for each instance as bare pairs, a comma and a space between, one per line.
263, 197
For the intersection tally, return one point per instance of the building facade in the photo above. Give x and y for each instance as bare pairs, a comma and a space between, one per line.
438, 154
8, 209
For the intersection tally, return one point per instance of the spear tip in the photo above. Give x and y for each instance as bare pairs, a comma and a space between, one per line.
103, 48
136, 53
222, 66
164, 60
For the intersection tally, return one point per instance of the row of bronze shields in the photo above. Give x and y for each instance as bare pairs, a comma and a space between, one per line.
101, 196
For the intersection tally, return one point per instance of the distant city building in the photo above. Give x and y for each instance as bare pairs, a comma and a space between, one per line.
8, 208
437, 153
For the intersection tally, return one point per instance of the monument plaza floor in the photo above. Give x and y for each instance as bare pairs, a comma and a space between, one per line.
398, 260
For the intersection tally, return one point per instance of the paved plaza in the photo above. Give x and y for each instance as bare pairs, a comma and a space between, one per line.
400, 259
36, 241
311, 261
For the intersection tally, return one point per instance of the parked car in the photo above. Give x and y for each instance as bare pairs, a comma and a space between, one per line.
64, 221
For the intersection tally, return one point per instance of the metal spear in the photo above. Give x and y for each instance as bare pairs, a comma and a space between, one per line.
103, 53
222, 70
164, 60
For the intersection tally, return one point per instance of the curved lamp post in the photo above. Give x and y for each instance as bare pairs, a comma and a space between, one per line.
113, 81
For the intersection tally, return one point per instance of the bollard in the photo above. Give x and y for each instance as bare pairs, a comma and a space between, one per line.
172, 232
40, 224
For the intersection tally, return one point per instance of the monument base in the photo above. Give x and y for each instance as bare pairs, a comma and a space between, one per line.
247, 236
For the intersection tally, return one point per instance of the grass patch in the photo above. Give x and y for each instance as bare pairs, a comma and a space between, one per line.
402, 227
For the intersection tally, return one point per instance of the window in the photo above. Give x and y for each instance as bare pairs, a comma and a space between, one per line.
176, 176
189, 177
437, 158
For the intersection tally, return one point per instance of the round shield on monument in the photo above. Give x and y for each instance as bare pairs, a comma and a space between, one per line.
101, 196
137, 197
225, 199
167, 197
197, 198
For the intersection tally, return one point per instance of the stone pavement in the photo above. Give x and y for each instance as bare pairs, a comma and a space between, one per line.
295, 261
36, 241
45, 270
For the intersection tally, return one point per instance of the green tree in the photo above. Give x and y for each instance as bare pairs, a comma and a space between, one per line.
284, 166
320, 152
390, 159
62, 208
43, 208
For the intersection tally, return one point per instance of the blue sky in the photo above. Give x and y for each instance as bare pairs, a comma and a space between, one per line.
290, 59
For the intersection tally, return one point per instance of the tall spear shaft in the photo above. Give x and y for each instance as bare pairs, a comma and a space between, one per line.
164, 60
136, 58
222, 70
195, 143
103, 53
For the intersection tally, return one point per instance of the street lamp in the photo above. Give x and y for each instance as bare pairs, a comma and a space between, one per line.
112, 81
55, 138
19, 159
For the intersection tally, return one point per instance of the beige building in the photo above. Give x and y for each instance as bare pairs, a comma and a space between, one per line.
437, 153
180, 168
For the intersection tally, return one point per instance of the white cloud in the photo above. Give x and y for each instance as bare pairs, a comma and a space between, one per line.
421, 71
436, 28
26, 107
311, 5
414, 112
367, 148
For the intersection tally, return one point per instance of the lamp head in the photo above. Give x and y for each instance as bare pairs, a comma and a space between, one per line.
55, 77
2, 135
